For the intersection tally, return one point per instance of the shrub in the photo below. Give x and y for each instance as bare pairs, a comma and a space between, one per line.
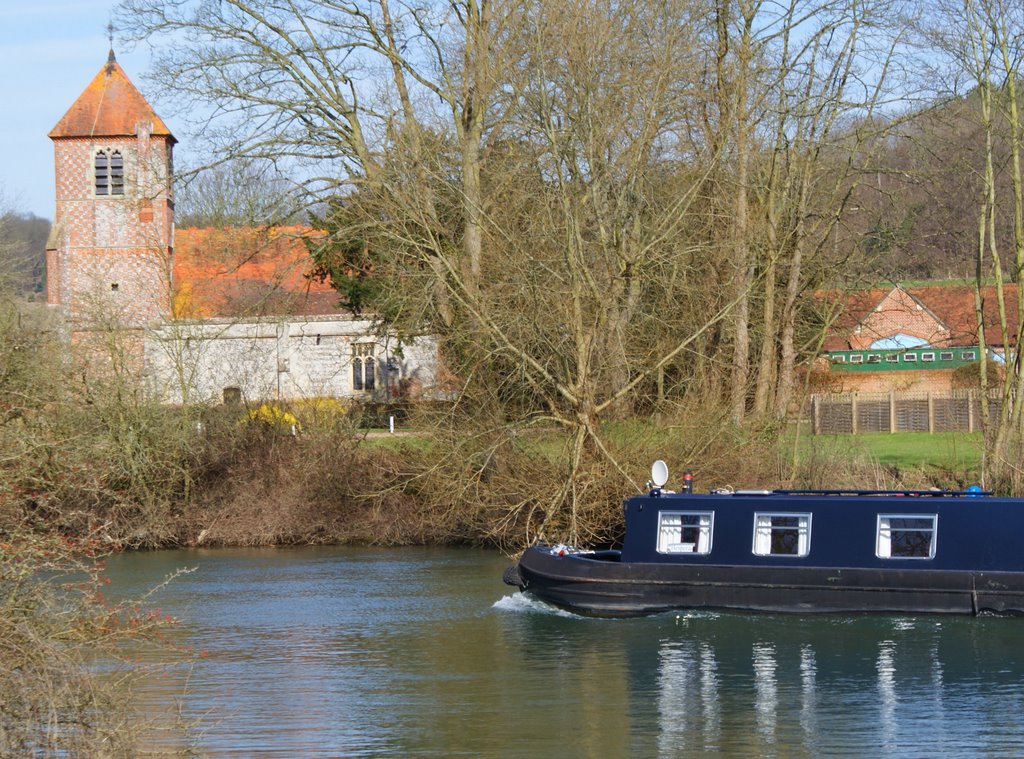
273, 417
321, 414
966, 376
55, 628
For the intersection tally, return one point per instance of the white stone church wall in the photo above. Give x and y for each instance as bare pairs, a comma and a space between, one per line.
285, 359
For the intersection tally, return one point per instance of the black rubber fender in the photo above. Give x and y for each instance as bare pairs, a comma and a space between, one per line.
511, 576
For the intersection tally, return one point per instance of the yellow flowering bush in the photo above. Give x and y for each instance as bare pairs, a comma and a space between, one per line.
273, 417
320, 412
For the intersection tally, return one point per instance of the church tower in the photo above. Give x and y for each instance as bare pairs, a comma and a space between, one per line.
109, 256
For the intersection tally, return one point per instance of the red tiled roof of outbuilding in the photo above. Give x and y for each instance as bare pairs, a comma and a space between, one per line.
111, 106
956, 305
953, 305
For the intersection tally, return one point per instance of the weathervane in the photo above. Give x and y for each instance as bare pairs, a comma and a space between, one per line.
110, 36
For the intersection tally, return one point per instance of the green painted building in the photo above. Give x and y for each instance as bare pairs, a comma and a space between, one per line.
900, 359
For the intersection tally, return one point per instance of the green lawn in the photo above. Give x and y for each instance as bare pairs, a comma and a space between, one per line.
956, 451
951, 452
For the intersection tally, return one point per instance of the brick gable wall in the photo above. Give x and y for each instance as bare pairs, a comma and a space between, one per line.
898, 313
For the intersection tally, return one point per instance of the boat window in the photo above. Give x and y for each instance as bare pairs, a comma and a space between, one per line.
906, 536
684, 532
782, 534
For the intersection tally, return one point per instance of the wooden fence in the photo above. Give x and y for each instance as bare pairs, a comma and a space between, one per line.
946, 411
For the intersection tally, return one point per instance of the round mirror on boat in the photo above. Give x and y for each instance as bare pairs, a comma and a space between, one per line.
659, 473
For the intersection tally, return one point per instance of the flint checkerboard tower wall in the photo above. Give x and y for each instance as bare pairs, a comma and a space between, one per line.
109, 257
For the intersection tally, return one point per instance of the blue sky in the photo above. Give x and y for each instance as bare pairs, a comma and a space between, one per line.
49, 51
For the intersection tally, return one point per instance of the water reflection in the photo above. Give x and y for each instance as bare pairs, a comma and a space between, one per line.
732, 684
710, 711
677, 671
852, 687
886, 669
767, 702
342, 652
808, 692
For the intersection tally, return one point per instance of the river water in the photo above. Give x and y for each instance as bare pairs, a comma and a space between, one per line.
347, 652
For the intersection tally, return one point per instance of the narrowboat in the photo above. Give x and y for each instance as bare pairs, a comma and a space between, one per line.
804, 551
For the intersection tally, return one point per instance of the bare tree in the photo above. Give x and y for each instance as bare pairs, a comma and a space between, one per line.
561, 191
22, 249
980, 41
237, 193
328, 91
796, 88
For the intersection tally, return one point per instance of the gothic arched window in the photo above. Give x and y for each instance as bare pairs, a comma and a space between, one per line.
357, 374
363, 363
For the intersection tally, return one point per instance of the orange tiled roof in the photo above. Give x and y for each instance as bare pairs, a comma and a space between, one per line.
952, 304
110, 106
247, 272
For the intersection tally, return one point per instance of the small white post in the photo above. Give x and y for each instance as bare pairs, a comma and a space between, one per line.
391, 424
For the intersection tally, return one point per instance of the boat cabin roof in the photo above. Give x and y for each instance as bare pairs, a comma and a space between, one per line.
911, 529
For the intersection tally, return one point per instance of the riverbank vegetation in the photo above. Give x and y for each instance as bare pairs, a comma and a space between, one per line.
68, 656
96, 458
86, 453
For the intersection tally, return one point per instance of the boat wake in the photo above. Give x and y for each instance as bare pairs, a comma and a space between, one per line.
521, 603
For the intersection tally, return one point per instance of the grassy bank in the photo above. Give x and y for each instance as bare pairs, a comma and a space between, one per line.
944, 459
959, 451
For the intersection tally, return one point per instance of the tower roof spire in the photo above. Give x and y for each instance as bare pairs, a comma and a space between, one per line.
111, 106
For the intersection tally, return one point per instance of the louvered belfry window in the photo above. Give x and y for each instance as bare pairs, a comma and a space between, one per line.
102, 173
116, 173
109, 167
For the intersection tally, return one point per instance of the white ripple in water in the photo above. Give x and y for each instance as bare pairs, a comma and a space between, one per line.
520, 603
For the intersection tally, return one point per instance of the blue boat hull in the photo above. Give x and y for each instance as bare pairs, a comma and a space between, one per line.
602, 585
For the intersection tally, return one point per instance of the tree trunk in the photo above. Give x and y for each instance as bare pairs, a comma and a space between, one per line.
740, 244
